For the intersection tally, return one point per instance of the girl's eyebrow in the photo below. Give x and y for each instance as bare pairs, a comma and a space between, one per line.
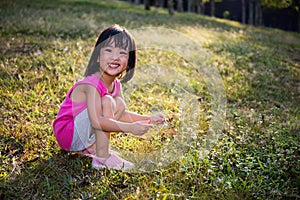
111, 46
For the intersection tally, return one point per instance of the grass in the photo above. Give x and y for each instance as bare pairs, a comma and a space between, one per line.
45, 46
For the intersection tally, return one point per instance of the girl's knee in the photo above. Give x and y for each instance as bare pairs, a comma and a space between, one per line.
120, 104
108, 106
120, 107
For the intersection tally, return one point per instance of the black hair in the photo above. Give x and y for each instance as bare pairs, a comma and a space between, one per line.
122, 39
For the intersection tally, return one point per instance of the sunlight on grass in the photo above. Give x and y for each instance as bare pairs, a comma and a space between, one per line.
231, 23
160, 89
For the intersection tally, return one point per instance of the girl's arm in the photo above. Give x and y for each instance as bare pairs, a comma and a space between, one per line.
99, 122
129, 116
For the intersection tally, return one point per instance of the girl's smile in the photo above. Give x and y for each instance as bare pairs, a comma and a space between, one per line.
113, 65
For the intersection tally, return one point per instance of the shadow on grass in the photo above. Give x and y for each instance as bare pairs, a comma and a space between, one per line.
62, 176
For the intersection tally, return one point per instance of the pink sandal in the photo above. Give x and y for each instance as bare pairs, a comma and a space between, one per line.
90, 152
112, 162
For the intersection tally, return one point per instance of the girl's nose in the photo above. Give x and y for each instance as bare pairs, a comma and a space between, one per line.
115, 55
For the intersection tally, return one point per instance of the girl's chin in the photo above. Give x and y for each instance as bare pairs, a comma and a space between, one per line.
116, 73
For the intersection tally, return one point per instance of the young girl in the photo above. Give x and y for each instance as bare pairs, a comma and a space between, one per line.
94, 107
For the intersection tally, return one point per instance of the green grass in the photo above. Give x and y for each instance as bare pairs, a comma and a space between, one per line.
45, 47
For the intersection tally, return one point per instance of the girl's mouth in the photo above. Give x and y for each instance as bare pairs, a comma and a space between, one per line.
113, 65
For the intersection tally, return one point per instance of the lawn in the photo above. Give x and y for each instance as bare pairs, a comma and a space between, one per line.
230, 93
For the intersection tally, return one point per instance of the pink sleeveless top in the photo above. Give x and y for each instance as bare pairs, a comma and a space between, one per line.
63, 125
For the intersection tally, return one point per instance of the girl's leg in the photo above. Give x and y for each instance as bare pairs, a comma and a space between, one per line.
105, 158
102, 144
119, 108
103, 138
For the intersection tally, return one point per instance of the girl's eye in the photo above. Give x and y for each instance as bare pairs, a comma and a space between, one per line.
108, 50
123, 53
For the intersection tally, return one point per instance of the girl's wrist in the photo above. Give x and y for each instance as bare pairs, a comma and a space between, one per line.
125, 127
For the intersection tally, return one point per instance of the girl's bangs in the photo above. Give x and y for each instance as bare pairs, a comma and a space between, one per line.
120, 40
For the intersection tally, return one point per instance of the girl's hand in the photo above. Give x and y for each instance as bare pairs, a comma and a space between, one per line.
159, 118
140, 127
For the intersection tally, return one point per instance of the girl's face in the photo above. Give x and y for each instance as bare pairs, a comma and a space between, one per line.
113, 60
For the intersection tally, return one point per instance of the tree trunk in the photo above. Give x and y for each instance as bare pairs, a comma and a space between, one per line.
250, 20
202, 8
298, 21
298, 13
170, 7
137, 1
189, 6
198, 7
159, 3
147, 4
212, 8
179, 5
258, 13
243, 12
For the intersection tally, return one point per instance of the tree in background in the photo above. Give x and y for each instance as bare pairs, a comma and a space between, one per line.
255, 13
254, 7
212, 8
258, 13
147, 4
243, 11
250, 17
279, 4
297, 8
159, 3
179, 5
196, 6
171, 7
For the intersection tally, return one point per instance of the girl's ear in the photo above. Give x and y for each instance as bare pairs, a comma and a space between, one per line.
98, 59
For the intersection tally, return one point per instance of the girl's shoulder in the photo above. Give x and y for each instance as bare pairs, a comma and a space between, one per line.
93, 81
90, 80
